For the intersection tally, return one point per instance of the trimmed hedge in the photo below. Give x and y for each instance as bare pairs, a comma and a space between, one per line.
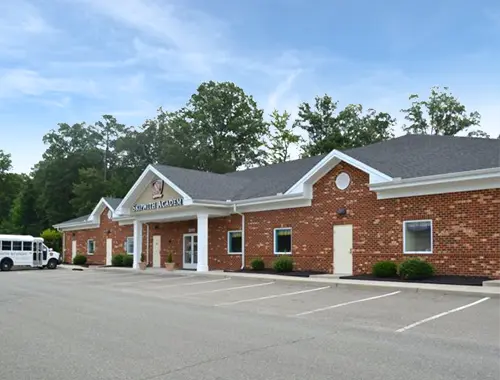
128, 261
385, 269
257, 264
414, 269
80, 260
283, 264
117, 260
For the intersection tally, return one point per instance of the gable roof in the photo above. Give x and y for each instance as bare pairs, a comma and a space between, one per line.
113, 202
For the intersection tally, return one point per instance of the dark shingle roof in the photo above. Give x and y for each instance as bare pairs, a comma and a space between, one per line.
406, 157
423, 155
113, 202
76, 220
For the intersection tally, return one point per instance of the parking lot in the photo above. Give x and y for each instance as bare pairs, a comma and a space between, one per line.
96, 324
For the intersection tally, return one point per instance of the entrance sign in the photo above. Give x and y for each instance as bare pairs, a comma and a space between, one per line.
157, 205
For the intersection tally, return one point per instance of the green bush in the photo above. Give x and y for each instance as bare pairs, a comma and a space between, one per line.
413, 269
117, 260
283, 264
79, 260
385, 269
257, 264
128, 261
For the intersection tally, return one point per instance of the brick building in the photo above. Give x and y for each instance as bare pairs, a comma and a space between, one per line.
432, 197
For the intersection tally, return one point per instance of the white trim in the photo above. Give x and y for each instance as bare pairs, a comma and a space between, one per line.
90, 253
184, 264
228, 240
75, 226
404, 238
472, 180
96, 212
274, 241
139, 185
126, 245
375, 175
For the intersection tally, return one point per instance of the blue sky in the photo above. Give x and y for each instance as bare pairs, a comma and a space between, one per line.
74, 60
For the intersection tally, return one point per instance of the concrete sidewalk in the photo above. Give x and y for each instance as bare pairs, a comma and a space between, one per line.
318, 279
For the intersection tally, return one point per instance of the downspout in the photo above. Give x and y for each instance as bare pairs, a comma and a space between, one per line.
147, 244
242, 237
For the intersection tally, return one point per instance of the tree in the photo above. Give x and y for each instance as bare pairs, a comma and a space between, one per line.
52, 238
441, 114
281, 139
23, 217
10, 185
5, 162
88, 190
219, 130
109, 131
349, 128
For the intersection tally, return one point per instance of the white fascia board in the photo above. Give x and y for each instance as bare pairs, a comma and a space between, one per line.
76, 226
139, 185
328, 162
439, 184
98, 209
270, 206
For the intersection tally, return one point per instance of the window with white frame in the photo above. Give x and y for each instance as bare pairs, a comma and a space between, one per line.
282, 241
417, 236
234, 242
90, 246
129, 245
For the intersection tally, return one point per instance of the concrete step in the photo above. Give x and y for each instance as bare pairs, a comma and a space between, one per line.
492, 283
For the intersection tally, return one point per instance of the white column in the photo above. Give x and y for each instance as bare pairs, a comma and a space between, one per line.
137, 243
202, 243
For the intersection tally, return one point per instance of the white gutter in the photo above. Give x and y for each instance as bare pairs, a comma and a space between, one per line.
398, 183
147, 243
242, 237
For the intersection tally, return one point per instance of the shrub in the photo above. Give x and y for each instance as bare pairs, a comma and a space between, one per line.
385, 269
169, 258
283, 264
413, 269
257, 264
117, 260
79, 260
128, 261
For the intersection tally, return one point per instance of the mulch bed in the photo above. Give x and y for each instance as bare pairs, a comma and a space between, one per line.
272, 271
447, 280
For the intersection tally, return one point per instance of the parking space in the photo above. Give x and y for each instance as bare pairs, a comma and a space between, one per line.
376, 309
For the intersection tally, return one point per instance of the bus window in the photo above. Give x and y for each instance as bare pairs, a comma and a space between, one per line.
27, 246
6, 245
17, 245
45, 253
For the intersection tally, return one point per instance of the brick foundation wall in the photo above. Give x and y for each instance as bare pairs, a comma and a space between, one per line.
466, 230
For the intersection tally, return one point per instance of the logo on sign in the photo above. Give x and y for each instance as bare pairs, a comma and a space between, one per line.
157, 205
157, 188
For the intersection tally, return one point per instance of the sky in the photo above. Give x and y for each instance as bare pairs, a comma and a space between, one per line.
75, 60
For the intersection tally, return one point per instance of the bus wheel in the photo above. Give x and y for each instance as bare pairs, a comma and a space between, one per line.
52, 264
6, 265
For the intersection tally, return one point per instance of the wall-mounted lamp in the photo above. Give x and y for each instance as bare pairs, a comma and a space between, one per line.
73, 234
342, 211
156, 226
108, 232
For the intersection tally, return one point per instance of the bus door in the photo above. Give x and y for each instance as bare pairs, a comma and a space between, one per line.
37, 254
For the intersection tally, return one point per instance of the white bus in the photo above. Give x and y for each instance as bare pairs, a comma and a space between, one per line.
26, 250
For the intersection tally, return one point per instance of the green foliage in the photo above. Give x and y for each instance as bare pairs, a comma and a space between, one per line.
349, 128
414, 269
128, 261
257, 264
117, 260
281, 138
385, 269
52, 238
441, 114
283, 264
79, 259
170, 258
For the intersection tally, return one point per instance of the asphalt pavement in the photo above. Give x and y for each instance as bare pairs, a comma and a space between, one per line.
63, 324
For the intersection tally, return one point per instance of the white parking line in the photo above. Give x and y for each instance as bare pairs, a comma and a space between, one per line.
273, 296
345, 304
225, 289
442, 314
150, 280
196, 283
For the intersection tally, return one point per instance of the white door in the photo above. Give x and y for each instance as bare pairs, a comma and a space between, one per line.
156, 251
190, 251
73, 249
109, 251
342, 249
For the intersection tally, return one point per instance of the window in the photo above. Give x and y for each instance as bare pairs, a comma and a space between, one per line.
17, 245
6, 245
234, 242
129, 245
27, 246
90, 247
282, 241
417, 236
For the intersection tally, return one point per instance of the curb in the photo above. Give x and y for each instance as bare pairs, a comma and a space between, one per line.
407, 287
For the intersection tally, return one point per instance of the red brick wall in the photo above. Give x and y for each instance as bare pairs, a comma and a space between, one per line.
117, 233
466, 230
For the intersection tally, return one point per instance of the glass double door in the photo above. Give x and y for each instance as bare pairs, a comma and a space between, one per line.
190, 250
